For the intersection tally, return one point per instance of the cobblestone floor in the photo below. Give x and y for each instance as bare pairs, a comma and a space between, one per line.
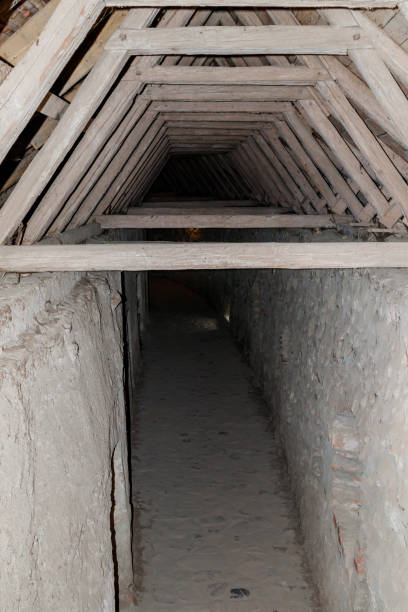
219, 531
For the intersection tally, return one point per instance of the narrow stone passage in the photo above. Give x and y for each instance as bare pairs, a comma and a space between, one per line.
219, 528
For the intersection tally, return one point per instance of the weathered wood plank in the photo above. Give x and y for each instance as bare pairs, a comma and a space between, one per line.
94, 52
195, 204
372, 151
326, 129
247, 40
370, 64
13, 48
76, 117
345, 195
181, 106
28, 83
216, 93
203, 256
259, 3
221, 117
254, 218
210, 75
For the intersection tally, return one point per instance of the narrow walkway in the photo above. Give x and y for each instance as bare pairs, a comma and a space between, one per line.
219, 530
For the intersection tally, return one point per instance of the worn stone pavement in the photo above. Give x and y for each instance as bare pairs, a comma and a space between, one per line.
219, 531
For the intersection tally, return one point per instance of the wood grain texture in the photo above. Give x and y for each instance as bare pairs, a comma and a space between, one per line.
28, 83
259, 3
242, 219
203, 256
209, 75
248, 40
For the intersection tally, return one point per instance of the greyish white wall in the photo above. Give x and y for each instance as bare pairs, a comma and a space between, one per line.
63, 449
329, 350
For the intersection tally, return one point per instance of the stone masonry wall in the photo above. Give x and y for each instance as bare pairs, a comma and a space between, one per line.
330, 352
65, 516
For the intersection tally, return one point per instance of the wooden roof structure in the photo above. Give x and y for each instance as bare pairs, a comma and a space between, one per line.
261, 113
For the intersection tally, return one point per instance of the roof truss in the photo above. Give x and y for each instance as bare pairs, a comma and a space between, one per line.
239, 112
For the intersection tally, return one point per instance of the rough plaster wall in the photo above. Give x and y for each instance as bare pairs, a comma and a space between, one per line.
330, 351
62, 427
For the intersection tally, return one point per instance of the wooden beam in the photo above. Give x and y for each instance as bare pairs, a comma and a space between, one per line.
69, 184
225, 118
28, 83
361, 95
210, 75
345, 196
118, 170
94, 52
252, 218
13, 48
195, 204
216, 93
203, 256
69, 128
221, 106
371, 150
258, 4
247, 40
373, 69
374, 196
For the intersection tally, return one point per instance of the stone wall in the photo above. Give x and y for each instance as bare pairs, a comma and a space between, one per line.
65, 516
330, 352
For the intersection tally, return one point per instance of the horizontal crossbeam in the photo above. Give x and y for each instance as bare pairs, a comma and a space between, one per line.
211, 218
248, 40
203, 256
209, 75
258, 4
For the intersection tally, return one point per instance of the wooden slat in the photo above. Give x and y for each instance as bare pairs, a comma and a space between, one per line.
13, 48
74, 120
360, 94
225, 118
345, 195
258, 3
375, 72
195, 204
241, 40
79, 173
28, 83
108, 184
372, 151
352, 166
221, 106
210, 75
94, 52
86, 102
175, 218
216, 93
203, 256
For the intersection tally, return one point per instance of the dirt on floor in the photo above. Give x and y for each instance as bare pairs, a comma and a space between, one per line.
219, 530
